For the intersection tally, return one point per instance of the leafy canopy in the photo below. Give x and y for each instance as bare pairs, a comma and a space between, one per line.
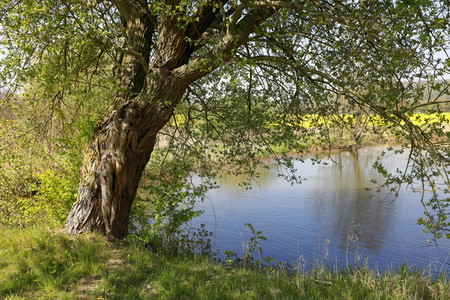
266, 67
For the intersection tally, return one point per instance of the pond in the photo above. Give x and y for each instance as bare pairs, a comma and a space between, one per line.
330, 217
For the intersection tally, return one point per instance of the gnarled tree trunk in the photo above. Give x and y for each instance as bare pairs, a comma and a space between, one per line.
116, 158
123, 143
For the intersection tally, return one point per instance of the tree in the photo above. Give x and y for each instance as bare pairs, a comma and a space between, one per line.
316, 57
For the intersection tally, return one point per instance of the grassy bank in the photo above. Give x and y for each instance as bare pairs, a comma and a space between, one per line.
38, 263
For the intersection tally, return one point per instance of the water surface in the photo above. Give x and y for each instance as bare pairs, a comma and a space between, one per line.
330, 217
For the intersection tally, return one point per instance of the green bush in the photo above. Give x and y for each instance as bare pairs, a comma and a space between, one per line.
18, 165
54, 198
166, 202
38, 177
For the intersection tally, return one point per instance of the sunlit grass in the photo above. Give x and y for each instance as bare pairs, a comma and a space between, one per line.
37, 263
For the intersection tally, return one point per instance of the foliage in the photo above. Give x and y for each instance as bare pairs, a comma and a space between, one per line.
17, 169
231, 137
249, 64
40, 157
423, 175
53, 200
250, 260
170, 196
29, 195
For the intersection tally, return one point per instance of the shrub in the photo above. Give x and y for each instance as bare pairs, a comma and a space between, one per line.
54, 198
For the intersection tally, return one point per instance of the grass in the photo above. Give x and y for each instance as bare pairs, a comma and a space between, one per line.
39, 263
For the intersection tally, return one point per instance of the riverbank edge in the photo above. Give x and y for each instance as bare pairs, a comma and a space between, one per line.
47, 264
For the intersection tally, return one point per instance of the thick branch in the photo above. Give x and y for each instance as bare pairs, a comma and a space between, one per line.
222, 52
203, 18
261, 4
143, 4
139, 29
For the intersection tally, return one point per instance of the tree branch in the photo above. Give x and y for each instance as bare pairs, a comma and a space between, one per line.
107, 46
143, 4
201, 66
304, 69
203, 18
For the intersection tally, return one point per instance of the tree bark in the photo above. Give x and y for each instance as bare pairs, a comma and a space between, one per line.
117, 156
122, 145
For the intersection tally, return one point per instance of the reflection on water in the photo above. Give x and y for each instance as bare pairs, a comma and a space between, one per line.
340, 194
331, 205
